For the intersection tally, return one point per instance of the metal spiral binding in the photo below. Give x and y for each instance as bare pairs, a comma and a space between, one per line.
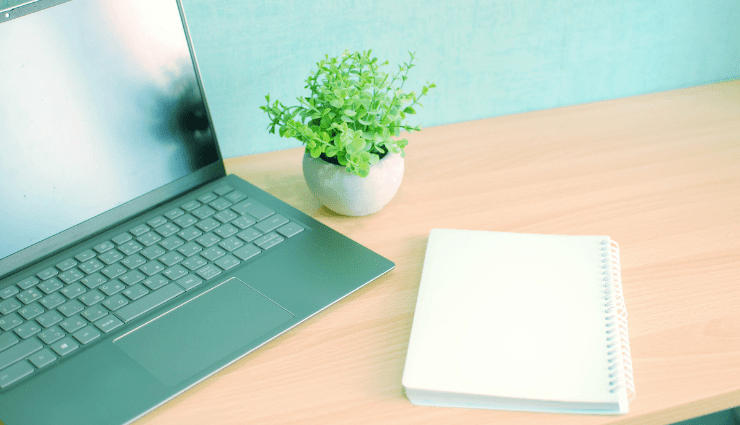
617, 340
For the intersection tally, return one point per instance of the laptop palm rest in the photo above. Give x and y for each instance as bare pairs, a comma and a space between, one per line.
195, 335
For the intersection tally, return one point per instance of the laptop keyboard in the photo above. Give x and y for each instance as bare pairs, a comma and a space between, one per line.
64, 308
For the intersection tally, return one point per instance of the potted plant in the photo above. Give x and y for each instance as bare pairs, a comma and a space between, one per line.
350, 124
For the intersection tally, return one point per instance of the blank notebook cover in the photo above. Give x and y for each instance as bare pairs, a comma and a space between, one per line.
519, 321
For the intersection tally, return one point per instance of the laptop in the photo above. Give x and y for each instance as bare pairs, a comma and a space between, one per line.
131, 266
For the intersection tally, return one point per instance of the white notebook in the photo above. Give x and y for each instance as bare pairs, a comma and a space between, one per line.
519, 321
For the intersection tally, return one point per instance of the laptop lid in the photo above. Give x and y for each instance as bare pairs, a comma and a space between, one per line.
101, 117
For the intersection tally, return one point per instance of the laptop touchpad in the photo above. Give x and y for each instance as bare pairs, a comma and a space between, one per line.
192, 337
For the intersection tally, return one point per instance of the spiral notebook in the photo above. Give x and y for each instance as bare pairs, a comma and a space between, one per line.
517, 321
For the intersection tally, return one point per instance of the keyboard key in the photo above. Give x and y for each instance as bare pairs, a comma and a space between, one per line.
111, 257
155, 282
85, 255
66, 264
213, 253
203, 212
253, 208
51, 285
206, 198
246, 252
65, 346
235, 196
220, 204
190, 249
27, 282
28, 329
104, 246
132, 277
74, 290
70, 307
7, 340
94, 280
155, 299
51, 335
149, 238
175, 272
153, 252
225, 216
264, 238
130, 247
171, 258
13, 373
194, 262
112, 287
168, 229
139, 230
243, 222
53, 300
135, 292
94, 313
71, 275
157, 221
42, 358
30, 311
109, 323
8, 292
91, 298
19, 352
208, 272
151, 268
47, 273
190, 233
28, 296
171, 242
73, 323
208, 239
87, 334
50, 318
10, 305
227, 262
271, 223
226, 230
186, 220
91, 266
115, 302
189, 282
248, 235
133, 261
9, 322
231, 243
122, 238
114, 271
190, 205
272, 242
208, 224
173, 214
223, 190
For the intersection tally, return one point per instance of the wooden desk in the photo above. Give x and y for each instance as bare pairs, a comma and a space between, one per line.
659, 173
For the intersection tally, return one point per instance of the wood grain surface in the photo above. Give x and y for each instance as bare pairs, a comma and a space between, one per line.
658, 173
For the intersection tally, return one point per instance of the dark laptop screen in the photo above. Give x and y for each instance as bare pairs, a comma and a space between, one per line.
95, 109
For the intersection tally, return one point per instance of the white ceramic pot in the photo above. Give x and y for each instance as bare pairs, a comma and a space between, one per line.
349, 194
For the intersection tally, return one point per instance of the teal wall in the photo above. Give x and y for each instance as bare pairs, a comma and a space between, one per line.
487, 58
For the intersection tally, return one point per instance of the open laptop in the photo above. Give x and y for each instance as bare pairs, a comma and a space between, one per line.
131, 266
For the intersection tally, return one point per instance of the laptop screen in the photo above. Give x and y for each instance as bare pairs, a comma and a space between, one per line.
96, 109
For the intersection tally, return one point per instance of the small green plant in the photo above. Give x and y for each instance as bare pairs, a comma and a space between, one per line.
353, 113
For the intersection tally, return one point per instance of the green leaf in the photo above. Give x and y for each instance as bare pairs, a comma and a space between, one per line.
337, 103
409, 110
350, 112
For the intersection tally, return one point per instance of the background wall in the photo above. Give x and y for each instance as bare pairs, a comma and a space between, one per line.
487, 58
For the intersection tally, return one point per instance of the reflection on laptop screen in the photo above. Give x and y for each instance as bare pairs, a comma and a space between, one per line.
95, 110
